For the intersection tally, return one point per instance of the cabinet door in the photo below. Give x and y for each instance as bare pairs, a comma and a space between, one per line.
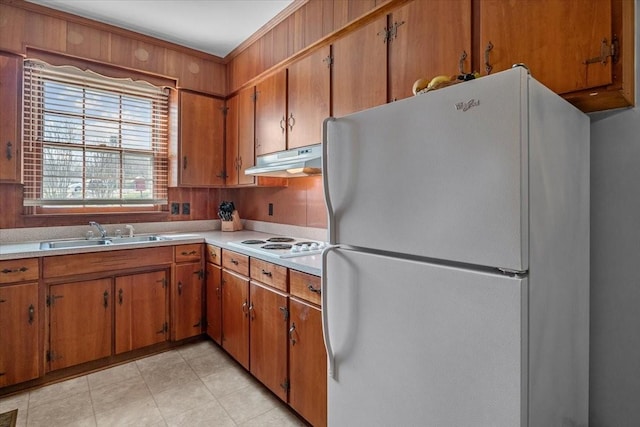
187, 321
201, 140
240, 138
140, 310
79, 322
308, 95
19, 328
271, 111
360, 69
214, 302
427, 41
268, 312
554, 38
235, 316
10, 119
307, 363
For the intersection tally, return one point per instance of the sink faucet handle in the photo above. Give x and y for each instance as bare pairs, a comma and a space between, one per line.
130, 228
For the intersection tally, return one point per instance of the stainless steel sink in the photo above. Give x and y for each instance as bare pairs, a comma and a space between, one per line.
82, 243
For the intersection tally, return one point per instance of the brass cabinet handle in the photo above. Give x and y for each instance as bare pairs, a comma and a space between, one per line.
106, 299
291, 331
463, 57
234, 262
179, 288
32, 313
189, 253
267, 273
252, 312
314, 290
120, 296
9, 152
15, 270
212, 254
283, 120
487, 66
218, 292
291, 121
184, 162
244, 308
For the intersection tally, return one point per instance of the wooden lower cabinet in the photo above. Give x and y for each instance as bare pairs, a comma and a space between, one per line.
188, 293
19, 333
214, 302
235, 316
268, 315
80, 322
307, 363
140, 310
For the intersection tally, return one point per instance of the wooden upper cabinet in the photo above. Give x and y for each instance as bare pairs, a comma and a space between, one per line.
308, 98
271, 114
10, 119
556, 39
201, 145
240, 137
427, 41
360, 69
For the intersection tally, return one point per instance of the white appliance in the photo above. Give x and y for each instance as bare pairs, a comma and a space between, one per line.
456, 289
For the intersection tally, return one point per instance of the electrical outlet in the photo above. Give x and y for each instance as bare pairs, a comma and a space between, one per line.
270, 209
175, 208
186, 209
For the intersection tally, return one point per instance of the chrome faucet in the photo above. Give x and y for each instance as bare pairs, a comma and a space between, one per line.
103, 232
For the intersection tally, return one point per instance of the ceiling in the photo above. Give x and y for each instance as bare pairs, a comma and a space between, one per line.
212, 26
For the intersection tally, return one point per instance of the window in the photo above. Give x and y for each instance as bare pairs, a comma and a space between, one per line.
93, 140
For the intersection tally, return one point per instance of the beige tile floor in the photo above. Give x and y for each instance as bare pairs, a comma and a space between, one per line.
194, 385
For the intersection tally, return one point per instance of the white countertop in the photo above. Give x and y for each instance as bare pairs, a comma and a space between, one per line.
311, 264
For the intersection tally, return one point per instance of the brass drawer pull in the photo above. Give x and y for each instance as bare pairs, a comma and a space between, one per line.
179, 288
106, 299
120, 296
314, 290
189, 253
15, 270
234, 262
267, 273
32, 314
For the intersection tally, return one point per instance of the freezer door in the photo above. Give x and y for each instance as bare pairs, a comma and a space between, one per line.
440, 175
417, 344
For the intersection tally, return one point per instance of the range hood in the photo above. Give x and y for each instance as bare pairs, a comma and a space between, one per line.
293, 163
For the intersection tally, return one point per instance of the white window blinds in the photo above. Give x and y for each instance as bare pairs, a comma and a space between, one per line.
93, 140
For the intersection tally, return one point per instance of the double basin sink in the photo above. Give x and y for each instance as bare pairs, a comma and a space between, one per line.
82, 243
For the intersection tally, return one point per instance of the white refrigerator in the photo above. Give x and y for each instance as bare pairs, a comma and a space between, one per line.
456, 289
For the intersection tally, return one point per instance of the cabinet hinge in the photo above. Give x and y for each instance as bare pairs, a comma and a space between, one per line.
51, 356
606, 51
285, 385
384, 33
392, 32
165, 327
163, 282
328, 60
201, 274
285, 312
51, 299
225, 110
254, 96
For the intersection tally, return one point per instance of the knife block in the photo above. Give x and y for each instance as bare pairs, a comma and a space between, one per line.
234, 225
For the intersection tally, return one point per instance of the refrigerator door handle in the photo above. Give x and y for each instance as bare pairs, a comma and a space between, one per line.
325, 312
325, 180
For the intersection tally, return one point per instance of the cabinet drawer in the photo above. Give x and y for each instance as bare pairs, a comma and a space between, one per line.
19, 270
188, 253
93, 262
269, 274
235, 262
214, 254
305, 286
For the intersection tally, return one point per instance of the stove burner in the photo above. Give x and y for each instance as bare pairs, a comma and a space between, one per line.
252, 242
280, 239
276, 246
304, 243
